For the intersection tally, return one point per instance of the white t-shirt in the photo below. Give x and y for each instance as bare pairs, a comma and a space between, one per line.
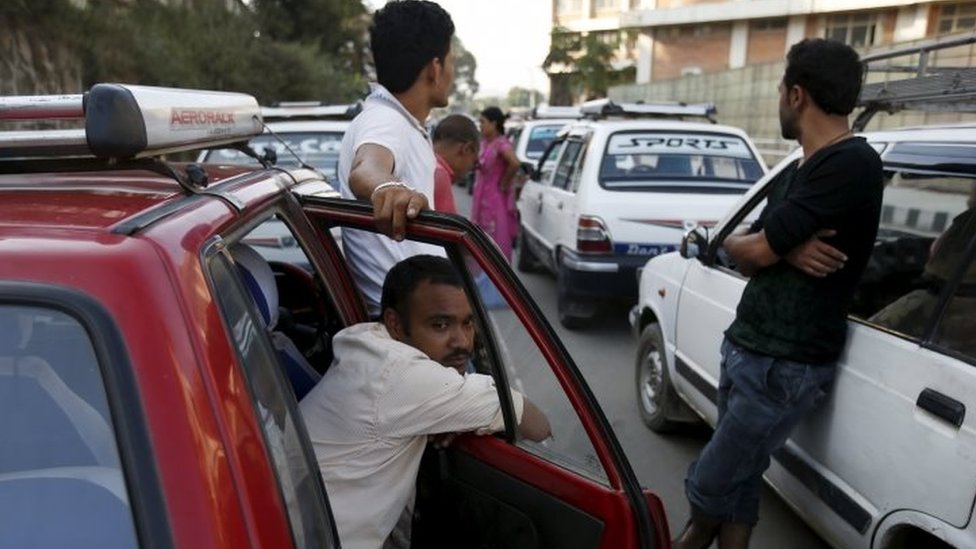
385, 122
369, 418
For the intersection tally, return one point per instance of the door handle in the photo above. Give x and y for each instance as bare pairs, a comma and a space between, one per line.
942, 406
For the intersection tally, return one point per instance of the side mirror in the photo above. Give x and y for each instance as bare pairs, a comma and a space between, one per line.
694, 242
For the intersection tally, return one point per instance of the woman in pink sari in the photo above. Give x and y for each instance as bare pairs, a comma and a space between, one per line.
493, 205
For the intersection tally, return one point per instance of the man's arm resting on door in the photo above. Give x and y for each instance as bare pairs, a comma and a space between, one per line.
393, 205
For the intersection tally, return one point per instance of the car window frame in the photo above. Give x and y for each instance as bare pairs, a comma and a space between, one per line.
216, 249
150, 514
574, 163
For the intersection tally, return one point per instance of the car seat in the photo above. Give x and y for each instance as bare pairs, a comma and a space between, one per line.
259, 279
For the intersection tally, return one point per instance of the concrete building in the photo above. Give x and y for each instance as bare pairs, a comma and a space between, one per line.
659, 40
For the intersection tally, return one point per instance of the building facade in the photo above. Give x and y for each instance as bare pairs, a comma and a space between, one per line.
660, 40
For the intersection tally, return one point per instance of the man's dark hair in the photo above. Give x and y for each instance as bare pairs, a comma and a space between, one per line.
407, 275
456, 128
404, 37
495, 115
831, 73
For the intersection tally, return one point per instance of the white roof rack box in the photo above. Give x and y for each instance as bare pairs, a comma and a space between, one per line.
602, 108
310, 110
123, 121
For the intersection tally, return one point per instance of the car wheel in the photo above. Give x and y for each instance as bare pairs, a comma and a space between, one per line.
656, 397
526, 261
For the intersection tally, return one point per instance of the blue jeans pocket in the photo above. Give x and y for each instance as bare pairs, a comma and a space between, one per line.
784, 380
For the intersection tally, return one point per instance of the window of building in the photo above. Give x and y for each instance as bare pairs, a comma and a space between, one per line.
855, 29
567, 7
606, 4
778, 23
957, 17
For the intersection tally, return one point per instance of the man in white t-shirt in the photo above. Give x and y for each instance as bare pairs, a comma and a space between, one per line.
386, 157
392, 385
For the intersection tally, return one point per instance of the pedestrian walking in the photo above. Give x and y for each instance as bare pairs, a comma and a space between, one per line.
493, 204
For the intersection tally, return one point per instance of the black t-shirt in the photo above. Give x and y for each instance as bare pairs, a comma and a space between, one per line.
783, 312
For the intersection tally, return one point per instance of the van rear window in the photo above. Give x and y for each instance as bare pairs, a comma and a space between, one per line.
673, 161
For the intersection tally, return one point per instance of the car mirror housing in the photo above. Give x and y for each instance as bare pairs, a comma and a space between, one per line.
694, 242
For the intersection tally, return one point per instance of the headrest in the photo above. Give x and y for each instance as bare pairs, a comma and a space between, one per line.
259, 279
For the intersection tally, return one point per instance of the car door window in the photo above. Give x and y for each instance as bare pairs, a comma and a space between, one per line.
284, 433
567, 166
506, 345
927, 223
61, 481
547, 163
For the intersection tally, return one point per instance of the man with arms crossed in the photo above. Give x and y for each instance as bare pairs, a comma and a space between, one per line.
393, 384
804, 255
386, 156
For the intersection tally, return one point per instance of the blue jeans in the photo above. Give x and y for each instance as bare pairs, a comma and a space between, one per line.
760, 401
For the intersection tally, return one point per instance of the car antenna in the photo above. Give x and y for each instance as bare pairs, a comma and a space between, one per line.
301, 161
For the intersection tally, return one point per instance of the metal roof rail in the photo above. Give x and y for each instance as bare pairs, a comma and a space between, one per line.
550, 111
310, 110
603, 108
932, 89
123, 121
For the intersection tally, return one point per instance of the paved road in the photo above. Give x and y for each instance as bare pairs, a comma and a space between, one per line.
605, 355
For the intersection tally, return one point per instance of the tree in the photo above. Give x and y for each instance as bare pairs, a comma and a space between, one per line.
579, 65
465, 83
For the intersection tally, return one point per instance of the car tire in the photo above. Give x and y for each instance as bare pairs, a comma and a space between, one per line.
526, 261
656, 397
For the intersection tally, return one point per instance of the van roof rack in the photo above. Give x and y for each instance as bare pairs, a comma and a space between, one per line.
931, 89
310, 110
549, 111
123, 121
603, 108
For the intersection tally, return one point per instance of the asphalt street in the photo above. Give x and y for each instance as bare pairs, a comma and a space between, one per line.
605, 354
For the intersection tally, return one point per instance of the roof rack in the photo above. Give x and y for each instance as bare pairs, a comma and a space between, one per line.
932, 89
123, 121
550, 111
603, 108
304, 110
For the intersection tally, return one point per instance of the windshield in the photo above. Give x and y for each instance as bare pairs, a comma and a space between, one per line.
539, 139
319, 149
673, 161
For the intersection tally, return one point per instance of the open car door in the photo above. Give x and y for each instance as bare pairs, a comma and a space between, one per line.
573, 490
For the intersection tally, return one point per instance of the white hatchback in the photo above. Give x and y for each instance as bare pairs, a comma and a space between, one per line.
889, 460
622, 186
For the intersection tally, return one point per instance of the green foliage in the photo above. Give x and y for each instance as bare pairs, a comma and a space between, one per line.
310, 50
465, 83
580, 66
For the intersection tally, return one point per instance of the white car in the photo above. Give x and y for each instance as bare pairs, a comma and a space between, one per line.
530, 138
297, 132
889, 460
621, 186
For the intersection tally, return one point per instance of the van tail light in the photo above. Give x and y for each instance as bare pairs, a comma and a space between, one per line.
592, 236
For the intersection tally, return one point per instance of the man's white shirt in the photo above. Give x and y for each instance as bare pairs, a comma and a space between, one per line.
385, 122
369, 419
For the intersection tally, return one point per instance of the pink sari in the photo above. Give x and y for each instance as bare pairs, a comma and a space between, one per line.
492, 209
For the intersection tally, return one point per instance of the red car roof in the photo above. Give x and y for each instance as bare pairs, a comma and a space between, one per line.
89, 200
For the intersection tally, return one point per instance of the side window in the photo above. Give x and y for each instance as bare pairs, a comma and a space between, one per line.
60, 473
284, 432
566, 168
927, 224
529, 372
955, 328
547, 164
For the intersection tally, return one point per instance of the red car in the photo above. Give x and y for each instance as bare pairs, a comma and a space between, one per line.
147, 400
